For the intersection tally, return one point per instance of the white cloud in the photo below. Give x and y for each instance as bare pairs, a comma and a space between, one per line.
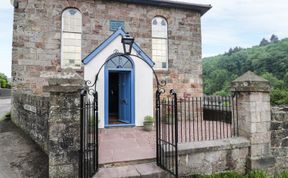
5, 4
242, 23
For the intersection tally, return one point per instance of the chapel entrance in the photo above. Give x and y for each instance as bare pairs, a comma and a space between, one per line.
119, 106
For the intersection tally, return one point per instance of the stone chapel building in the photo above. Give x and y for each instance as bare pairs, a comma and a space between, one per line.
50, 36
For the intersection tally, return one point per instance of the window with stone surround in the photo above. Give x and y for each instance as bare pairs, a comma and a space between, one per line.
160, 43
71, 39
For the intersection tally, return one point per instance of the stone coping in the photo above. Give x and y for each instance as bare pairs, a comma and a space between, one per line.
213, 145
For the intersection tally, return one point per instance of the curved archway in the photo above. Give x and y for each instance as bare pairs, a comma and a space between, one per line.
119, 91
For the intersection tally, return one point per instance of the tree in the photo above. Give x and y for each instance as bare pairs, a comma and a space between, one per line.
3, 81
285, 80
274, 39
264, 42
274, 81
270, 61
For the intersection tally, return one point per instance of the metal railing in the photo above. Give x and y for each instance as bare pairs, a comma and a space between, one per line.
167, 135
88, 153
203, 118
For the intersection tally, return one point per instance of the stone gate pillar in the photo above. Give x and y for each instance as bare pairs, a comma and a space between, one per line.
254, 118
64, 124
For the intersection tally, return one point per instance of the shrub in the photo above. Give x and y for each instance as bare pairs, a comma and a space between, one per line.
257, 174
283, 175
253, 174
279, 97
148, 119
222, 175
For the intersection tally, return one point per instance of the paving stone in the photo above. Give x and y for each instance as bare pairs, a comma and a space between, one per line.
115, 146
148, 170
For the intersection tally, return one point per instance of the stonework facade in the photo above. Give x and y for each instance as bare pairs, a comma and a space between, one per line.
45, 108
36, 58
37, 39
279, 137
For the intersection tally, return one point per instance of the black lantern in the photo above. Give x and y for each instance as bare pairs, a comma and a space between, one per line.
127, 42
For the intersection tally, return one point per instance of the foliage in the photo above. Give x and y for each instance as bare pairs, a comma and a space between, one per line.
257, 174
274, 39
283, 175
4, 81
279, 96
253, 174
269, 61
222, 175
148, 119
264, 42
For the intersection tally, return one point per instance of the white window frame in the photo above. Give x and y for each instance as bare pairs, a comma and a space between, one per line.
163, 38
63, 66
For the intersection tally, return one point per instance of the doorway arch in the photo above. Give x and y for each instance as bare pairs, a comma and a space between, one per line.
121, 69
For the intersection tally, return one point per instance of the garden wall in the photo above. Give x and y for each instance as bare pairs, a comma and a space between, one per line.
4, 92
279, 137
209, 157
31, 113
53, 123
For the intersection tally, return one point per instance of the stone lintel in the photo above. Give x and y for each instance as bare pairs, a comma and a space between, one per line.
250, 82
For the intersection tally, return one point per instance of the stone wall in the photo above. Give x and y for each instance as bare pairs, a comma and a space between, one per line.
37, 39
64, 126
279, 137
209, 157
31, 113
5, 93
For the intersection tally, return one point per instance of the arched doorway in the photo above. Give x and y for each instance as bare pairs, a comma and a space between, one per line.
119, 92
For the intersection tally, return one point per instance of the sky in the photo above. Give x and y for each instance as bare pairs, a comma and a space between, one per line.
229, 23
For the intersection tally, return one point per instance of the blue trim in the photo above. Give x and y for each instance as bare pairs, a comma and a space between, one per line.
106, 92
103, 45
144, 56
120, 125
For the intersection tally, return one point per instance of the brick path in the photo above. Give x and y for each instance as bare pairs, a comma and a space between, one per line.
126, 144
130, 144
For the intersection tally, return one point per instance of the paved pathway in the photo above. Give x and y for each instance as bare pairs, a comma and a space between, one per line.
5, 105
19, 156
126, 144
148, 170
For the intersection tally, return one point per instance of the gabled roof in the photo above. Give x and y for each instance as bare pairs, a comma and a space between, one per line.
201, 8
103, 45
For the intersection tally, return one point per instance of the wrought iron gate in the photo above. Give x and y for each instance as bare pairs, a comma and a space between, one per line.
167, 132
166, 127
88, 154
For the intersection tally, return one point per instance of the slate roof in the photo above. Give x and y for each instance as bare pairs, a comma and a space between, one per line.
201, 8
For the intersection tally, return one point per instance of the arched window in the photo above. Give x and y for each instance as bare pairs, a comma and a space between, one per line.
71, 39
119, 62
160, 43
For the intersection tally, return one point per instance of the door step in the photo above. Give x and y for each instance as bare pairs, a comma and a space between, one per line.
147, 170
126, 163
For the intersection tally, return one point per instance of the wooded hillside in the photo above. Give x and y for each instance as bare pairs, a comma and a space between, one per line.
269, 60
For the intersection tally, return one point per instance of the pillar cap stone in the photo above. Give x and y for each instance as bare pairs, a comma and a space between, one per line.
66, 81
250, 82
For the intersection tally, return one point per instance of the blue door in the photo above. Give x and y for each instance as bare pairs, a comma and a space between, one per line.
125, 97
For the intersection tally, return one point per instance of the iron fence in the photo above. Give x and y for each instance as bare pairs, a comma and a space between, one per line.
88, 153
202, 118
167, 135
